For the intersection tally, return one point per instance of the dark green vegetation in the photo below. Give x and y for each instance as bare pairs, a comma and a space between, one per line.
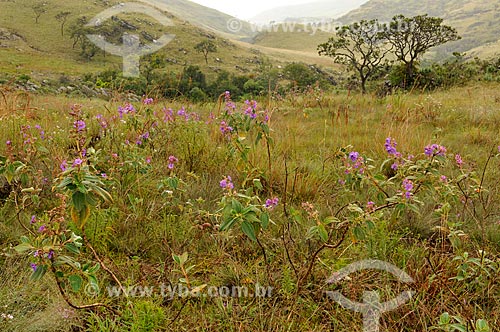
363, 46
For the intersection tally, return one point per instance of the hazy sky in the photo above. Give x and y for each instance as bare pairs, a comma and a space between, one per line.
247, 9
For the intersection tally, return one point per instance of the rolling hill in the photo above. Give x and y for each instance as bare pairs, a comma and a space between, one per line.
39, 49
477, 21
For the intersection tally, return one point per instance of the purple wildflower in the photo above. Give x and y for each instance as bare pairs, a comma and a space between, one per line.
8, 143
271, 203
33, 266
33, 220
77, 162
224, 128
171, 162
79, 125
64, 165
354, 156
168, 115
148, 160
50, 255
102, 121
42, 228
148, 101
435, 150
227, 183
408, 187
443, 179
126, 109
390, 146
459, 161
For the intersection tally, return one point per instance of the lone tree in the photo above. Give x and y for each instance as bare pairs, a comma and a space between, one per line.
39, 8
359, 46
413, 37
62, 17
206, 47
78, 32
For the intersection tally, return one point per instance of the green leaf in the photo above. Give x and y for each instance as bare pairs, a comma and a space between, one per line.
228, 223
249, 231
236, 205
79, 201
39, 272
330, 220
176, 258
458, 327
173, 183
482, 326
94, 268
444, 319
251, 217
61, 260
264, 219
184, 258
323, 234
75, 281
92, 280
359, 233
23, 247
66, 181
72, 248
257, 184
24, 179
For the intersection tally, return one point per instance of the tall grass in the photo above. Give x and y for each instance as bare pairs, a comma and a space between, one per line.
148, 222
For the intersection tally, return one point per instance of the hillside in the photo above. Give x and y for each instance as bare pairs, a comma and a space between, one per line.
477, 21
201, 16
325, 9
39, 49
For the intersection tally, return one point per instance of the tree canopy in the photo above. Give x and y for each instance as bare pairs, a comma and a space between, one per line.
412, 37
361, 46
205, 47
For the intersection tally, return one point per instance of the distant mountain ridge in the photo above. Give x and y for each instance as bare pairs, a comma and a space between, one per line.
324, 9
477, 21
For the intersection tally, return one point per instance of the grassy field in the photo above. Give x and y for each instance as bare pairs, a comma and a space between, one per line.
434, 214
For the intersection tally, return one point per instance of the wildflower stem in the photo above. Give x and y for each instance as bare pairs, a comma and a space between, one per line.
72, 305
104, 267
